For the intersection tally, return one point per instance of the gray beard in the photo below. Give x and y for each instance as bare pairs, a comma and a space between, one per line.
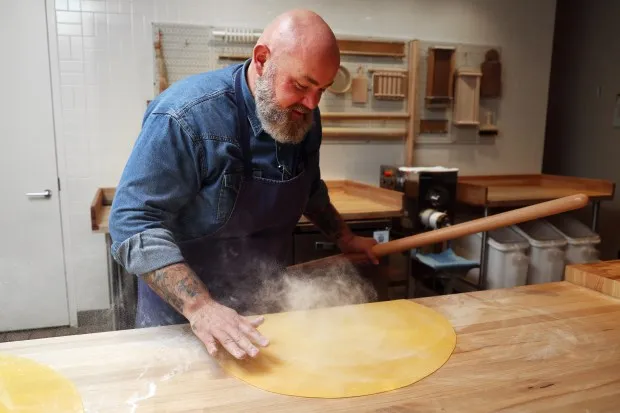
276, 121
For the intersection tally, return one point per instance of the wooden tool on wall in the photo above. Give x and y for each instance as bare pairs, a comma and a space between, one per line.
359, 87
389, 84
488, 127
491, 82
439, 77
504, 219
161, 66
436, 126
467, 97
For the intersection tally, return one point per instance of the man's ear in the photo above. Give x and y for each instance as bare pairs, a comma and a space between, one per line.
260, 56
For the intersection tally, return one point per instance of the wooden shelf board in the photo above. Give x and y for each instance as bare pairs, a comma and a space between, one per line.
465, 123
365, 133
364, 115
371, 48
234, 57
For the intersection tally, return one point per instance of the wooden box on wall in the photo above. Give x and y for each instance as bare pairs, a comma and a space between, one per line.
467, 97
439, 77
491, 68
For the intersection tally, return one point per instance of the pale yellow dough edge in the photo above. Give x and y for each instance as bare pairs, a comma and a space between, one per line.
27, 386
347, 351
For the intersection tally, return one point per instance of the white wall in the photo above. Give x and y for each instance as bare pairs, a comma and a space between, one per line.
102, 65
581, 139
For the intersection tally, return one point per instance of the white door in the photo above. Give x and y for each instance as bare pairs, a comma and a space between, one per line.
33, 288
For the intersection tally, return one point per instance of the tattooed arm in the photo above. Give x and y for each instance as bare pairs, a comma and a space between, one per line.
212, 322
322, 213
179, 286
330, 222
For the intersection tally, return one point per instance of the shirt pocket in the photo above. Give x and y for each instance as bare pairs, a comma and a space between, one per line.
229, 190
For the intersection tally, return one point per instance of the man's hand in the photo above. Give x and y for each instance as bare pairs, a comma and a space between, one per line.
330, 222
211, 321
355, 243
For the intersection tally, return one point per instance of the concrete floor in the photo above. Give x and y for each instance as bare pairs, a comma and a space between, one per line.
88, 322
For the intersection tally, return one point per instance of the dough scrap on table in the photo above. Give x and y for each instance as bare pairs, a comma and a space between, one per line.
30, 387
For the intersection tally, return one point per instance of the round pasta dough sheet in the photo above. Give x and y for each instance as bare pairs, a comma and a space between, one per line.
347, 351
29, 387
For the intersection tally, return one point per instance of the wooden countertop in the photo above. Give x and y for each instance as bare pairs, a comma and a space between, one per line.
518, 190
549, 347
602, 276
354, 201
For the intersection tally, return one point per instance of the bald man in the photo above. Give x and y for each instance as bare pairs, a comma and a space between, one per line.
224, 167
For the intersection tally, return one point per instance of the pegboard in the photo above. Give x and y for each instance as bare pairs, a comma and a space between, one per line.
190, 49
343, 102
465, 56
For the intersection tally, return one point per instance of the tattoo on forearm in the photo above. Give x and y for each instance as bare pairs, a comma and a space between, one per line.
176, 284
329, 221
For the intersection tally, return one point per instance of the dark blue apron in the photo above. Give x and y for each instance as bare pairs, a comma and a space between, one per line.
252, 246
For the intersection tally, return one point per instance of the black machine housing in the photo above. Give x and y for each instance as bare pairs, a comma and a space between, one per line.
429, 195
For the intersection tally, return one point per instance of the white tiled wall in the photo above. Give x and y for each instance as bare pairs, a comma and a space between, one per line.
103, 61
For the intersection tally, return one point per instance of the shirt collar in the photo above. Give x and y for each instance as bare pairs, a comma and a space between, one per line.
250, 103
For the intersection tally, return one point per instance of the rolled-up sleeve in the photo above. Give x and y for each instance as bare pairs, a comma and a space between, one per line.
161, 175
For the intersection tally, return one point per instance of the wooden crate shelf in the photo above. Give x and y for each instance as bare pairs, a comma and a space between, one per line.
440, 77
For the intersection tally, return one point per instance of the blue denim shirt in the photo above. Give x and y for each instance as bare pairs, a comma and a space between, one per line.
182, 177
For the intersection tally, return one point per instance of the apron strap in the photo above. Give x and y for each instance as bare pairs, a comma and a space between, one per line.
242, 124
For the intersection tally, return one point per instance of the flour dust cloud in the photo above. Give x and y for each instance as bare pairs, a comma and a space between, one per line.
336, 285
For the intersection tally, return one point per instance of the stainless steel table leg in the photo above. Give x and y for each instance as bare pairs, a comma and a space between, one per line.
596, 207
483, 254
113, 284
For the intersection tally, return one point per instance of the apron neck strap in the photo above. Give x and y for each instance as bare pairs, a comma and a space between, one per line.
242, 123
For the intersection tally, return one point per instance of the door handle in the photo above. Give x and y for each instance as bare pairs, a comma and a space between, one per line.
45, 194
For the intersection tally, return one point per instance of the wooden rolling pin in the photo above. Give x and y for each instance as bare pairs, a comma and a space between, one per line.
504, 219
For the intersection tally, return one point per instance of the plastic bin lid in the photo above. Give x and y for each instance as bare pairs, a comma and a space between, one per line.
540, 234
573, 230
505, 239
502, 239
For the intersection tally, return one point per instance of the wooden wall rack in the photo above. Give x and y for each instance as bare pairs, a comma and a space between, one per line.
467, 97
440, 77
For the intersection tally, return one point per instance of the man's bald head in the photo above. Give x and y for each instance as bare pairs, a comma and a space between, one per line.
302, 34
295, 59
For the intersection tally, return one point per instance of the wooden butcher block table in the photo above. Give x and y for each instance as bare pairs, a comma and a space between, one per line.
540, 348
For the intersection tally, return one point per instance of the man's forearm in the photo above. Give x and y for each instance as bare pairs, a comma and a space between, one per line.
179, 286
329, 220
